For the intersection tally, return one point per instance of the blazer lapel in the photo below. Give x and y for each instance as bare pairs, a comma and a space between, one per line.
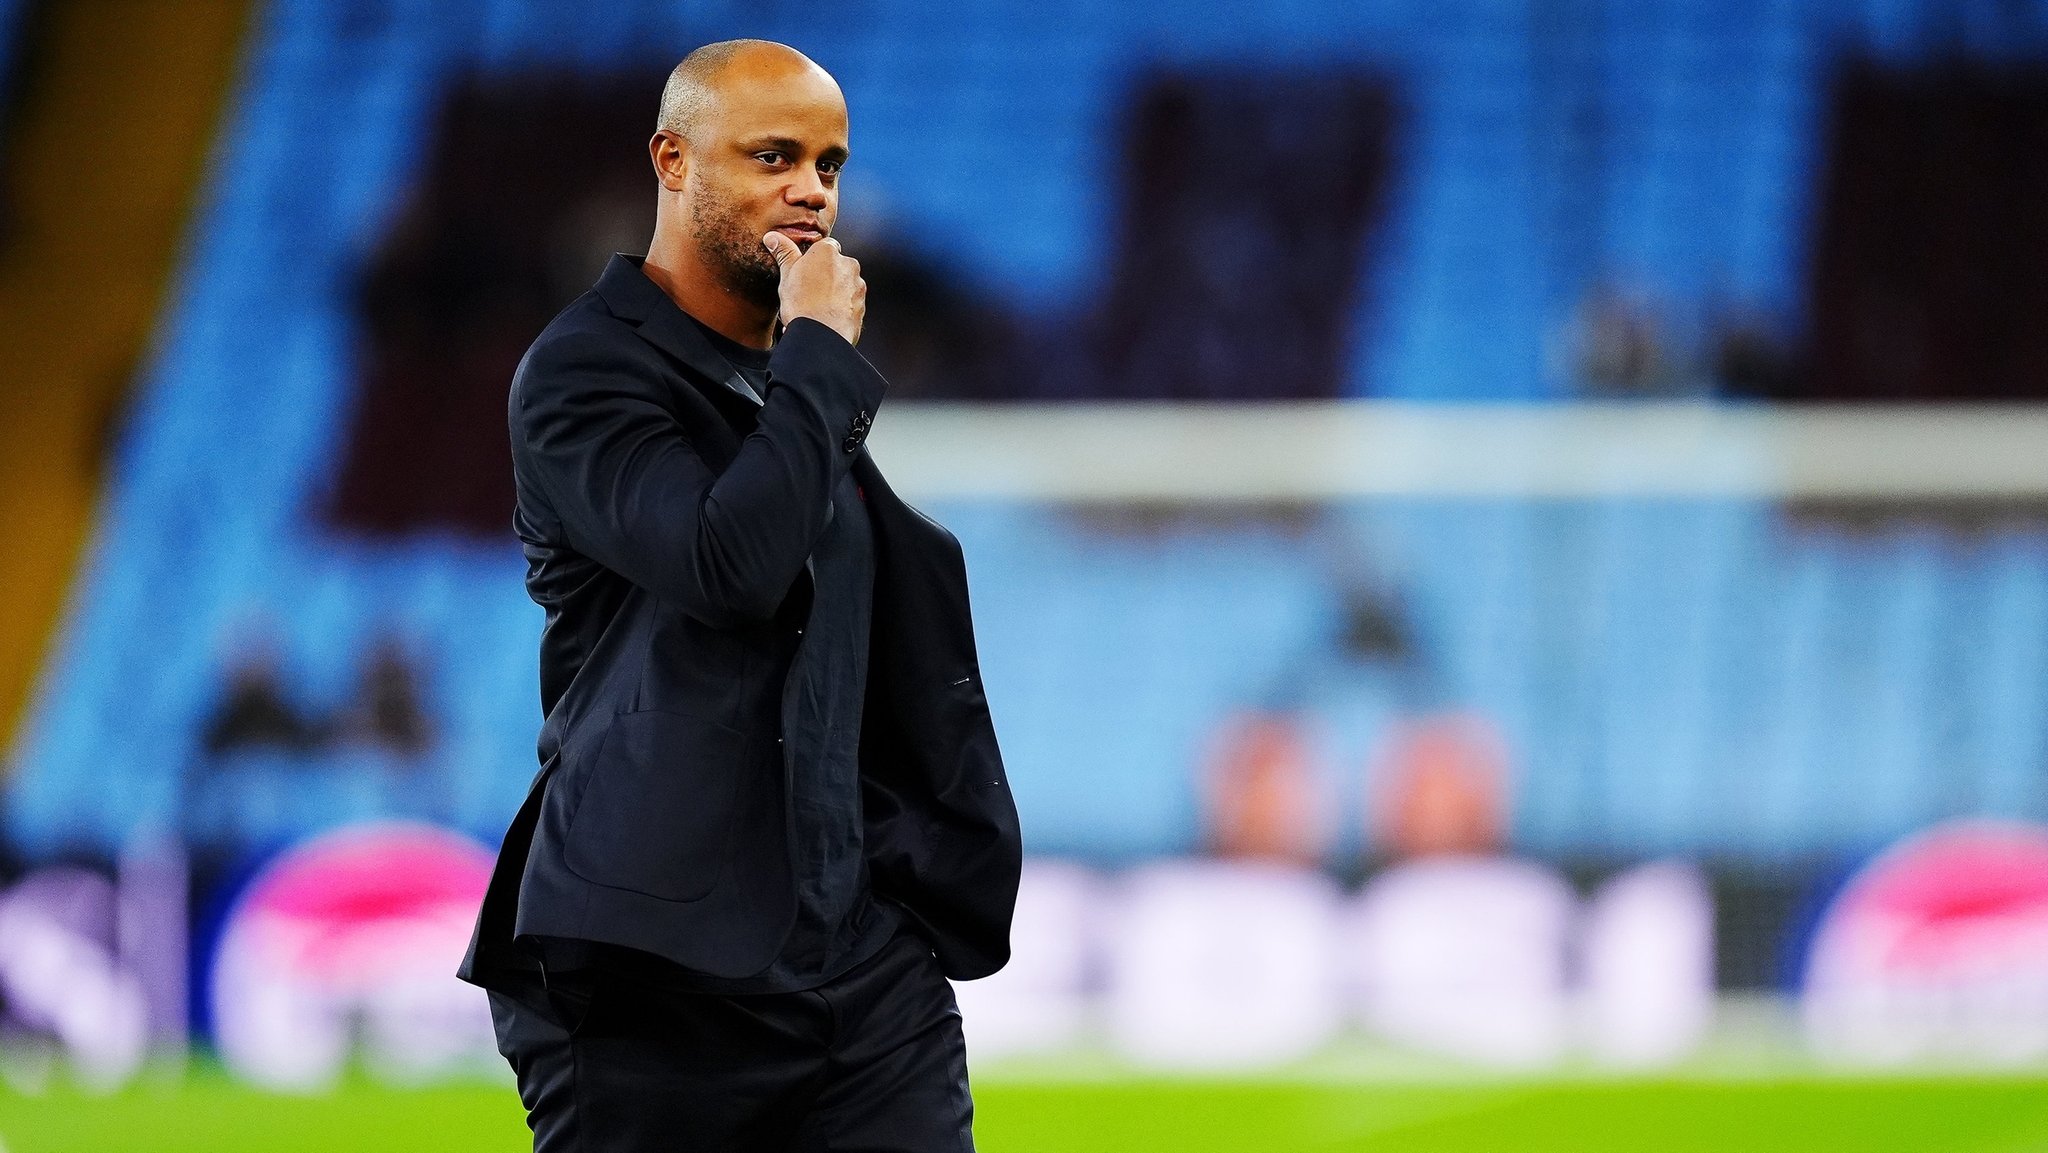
633, 297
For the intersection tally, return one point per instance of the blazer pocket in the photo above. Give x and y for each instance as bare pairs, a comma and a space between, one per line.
657, 815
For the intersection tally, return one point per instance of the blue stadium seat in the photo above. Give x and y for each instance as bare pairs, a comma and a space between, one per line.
1672, 676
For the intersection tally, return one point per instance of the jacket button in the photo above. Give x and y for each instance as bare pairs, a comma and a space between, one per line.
857, 431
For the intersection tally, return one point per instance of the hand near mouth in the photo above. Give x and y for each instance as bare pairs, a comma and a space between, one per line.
819, 282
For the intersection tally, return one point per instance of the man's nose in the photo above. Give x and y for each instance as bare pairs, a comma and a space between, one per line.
807, 190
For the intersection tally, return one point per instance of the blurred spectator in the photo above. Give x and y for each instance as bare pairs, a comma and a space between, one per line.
257, 714
1261, 795
1440, 787
388, 709
1617, 347
1375, 626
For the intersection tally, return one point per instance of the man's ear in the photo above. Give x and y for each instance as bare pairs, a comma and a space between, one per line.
671, 156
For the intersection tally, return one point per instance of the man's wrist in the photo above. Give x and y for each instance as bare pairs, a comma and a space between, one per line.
820, 322
831, 375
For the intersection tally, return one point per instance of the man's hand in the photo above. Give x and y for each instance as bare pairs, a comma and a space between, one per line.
823, 284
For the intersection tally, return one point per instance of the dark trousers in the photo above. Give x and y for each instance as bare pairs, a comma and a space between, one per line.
615, 1062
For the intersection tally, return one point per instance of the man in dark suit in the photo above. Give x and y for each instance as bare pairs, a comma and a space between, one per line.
771, 817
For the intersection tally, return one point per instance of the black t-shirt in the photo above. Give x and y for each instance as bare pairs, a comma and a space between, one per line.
750, 363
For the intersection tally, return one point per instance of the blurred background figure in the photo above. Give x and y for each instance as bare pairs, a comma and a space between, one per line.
388, 710
1262, 801
1619, 346
1442, 789
255, 712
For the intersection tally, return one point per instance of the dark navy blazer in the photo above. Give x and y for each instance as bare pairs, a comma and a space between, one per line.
671, 557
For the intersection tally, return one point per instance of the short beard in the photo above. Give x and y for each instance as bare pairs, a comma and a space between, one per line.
738, 258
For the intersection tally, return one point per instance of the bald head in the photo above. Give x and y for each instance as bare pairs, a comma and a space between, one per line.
705, 77
751, 140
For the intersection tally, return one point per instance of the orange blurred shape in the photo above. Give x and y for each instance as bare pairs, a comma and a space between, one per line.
1261, 796
1440, 786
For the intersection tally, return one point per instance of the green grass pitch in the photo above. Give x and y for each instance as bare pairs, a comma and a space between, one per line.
207, 1112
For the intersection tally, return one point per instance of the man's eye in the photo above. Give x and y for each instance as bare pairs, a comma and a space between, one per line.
829, 167
770, 157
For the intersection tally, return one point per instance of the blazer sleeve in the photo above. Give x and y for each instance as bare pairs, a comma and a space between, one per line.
634, 495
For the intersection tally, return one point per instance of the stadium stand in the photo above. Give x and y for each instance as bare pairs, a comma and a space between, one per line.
1835, 688
87, 250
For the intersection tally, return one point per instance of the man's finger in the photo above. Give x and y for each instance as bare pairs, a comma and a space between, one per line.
781, 247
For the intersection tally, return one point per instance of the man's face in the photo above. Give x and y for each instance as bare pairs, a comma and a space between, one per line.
768, 158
